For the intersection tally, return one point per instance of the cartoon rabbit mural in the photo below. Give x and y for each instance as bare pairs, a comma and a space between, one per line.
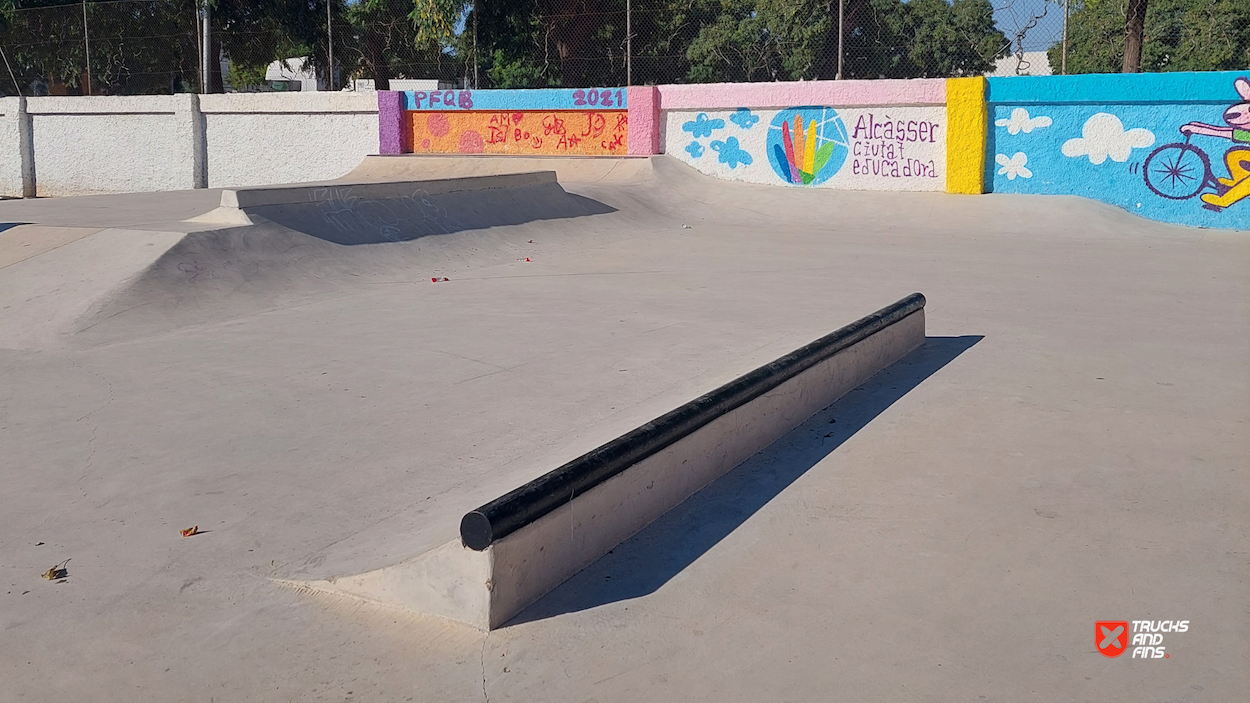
1181, 170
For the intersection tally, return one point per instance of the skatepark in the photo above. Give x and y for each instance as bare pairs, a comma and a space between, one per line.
325, 378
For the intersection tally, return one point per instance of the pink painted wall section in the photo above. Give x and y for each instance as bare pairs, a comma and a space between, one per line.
728, 96
644, 120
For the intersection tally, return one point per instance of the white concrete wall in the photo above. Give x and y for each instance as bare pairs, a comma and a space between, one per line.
10, 147
97, 144
102, 144
267, 138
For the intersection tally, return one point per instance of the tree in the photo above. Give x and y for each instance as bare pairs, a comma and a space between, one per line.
148, 46
137, 47
925, 39
754, 40
1133, 26
537, 43
387, 41
1177, 35
581, 42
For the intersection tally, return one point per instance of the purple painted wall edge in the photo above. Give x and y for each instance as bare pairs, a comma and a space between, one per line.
390, 122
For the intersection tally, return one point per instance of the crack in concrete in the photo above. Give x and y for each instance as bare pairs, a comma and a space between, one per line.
86, 469
485, 695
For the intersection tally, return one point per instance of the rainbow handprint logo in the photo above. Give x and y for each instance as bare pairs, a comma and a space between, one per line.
807, 145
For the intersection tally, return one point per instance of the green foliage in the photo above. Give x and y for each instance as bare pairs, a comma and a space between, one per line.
518, 72
435, 20
244, 77
136, 47
543, 42
384, 41
768, 40
1179, 35
253, 34
924, 39
535, 43
151, 46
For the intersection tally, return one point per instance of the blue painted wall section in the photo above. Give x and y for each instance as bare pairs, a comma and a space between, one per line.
1173, 147
545, 99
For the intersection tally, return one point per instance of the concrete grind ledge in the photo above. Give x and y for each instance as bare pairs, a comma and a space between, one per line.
522, 545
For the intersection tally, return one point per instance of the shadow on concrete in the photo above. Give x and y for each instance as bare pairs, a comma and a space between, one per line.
347, 220
991, 166
645, 562
11, 225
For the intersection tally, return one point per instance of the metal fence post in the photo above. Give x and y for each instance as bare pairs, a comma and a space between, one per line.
206, 47
86, 42
841, 33
476, 59
1063, 62
330, 46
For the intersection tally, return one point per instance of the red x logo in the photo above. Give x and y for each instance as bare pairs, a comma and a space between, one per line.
1111, 637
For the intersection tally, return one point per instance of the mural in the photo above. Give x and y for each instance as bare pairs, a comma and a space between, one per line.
892, 148
1187, 163
1179, 169
539, 99
565, 133
1173, 147
807, 145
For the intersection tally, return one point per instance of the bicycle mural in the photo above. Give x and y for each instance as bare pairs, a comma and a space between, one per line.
1181, 162
1180, 171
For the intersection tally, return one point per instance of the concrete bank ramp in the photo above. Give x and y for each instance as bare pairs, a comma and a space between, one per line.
402, 210
52, 277
265, 248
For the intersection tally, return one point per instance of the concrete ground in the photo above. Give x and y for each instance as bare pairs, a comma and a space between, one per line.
1069, 446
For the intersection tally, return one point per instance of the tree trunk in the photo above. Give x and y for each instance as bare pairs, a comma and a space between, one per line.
375, 59
1133, 28
216, 82
570, 27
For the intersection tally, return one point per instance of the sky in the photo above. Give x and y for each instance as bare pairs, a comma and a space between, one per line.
1010, 16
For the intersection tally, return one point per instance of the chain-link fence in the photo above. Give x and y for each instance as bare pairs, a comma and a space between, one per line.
157, 46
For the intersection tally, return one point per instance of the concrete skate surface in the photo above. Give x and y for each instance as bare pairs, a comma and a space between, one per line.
1069, 446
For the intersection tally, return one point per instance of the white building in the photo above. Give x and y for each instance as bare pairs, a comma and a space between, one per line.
296, 74
1035, 63
364, 84
293, 74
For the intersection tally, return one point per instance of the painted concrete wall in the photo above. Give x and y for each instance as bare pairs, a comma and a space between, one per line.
887, 148
542, 100
966, 127
861, 135
722, 96
555, 133
97, 144
868, 135
1173, 147
552, 122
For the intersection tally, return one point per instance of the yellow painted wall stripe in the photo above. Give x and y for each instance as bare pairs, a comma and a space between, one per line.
967, 125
